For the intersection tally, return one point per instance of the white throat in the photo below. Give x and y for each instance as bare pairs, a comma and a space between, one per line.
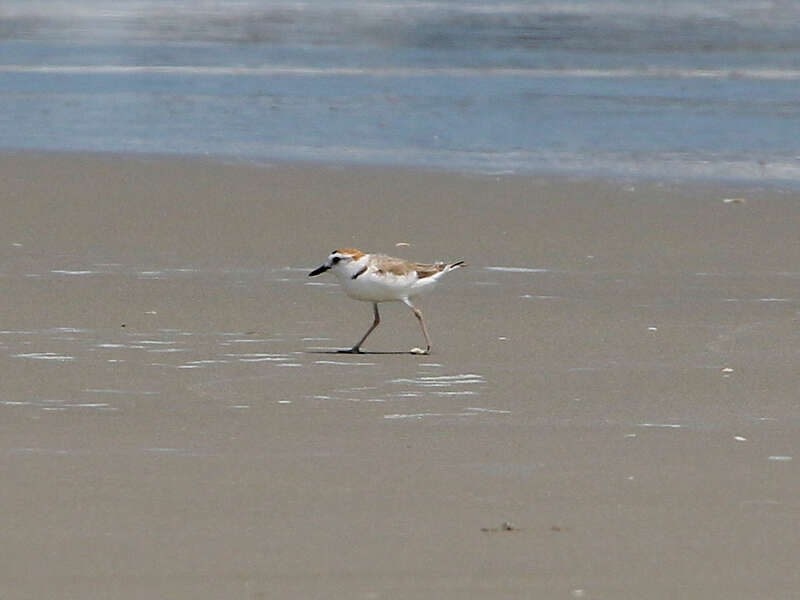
346, 271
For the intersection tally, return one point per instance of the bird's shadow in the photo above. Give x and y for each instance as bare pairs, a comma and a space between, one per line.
362, 353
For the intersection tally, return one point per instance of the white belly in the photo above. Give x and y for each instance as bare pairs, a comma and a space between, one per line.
371, 287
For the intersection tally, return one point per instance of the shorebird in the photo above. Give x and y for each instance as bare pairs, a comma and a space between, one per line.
379, 278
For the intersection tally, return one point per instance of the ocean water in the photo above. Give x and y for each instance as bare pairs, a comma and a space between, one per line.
674, 90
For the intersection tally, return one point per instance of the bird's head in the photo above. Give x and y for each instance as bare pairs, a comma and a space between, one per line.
340, 262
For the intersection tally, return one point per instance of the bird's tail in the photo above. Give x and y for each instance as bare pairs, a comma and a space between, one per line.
455, 265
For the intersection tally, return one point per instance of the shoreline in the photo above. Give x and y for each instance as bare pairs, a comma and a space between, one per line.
773, 184
610, 408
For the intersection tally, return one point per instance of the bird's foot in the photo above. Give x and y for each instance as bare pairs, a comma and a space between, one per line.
353, 350
420, 350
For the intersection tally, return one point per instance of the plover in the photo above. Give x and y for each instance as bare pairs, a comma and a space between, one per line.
379, 278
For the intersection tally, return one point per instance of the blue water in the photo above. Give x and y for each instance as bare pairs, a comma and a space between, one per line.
675, 90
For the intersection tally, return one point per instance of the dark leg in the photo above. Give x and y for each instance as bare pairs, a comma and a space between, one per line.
418, 314
357, 348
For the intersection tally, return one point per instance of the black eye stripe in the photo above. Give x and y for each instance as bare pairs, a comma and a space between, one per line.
336, 259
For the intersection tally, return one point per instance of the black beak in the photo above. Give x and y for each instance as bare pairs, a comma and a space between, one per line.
318, 270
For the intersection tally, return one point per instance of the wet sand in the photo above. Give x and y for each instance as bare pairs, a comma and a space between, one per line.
610, 409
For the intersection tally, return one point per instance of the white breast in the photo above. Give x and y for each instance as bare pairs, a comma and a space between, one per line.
378, 287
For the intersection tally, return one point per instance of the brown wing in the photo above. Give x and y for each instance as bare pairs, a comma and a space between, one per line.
424, 271
399, 266
396, 266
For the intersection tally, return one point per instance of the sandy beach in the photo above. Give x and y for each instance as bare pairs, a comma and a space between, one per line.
610, 409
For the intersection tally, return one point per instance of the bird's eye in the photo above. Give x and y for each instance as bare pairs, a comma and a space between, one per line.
336, 259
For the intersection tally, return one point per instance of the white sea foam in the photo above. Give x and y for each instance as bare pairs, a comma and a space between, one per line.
109, 345
423, 415
440, 381
344, 363
73, 272
120, 392
751, 73
167, 350
249, 357
209, 361
54, 356
467, 378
